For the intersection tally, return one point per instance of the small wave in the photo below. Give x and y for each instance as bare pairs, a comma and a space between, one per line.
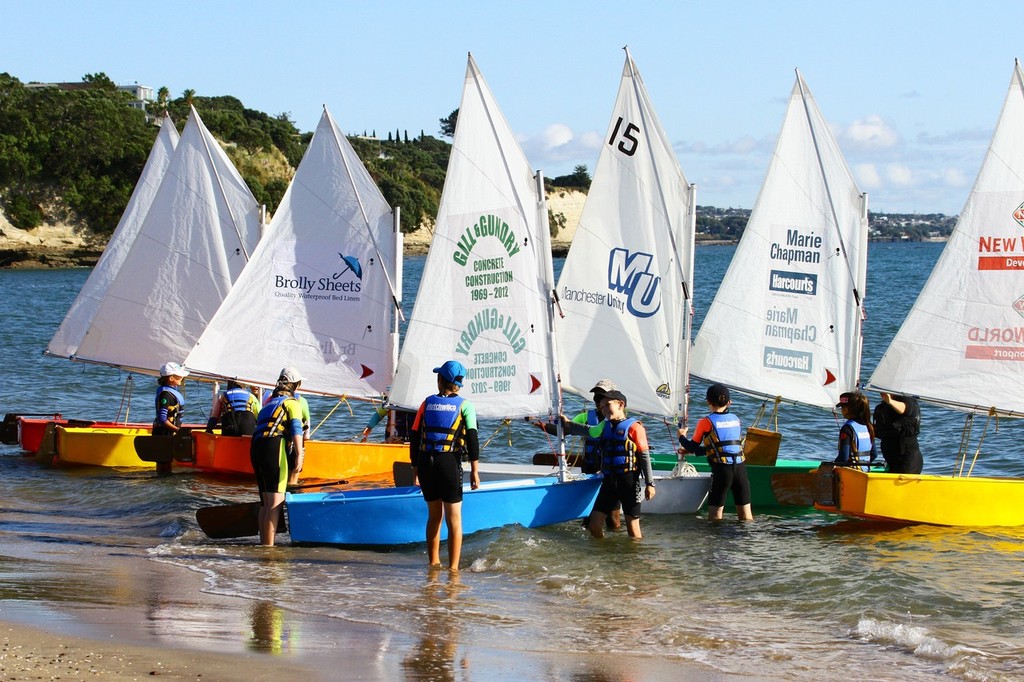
958, 659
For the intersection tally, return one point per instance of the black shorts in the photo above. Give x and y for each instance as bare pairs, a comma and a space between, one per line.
622, 489
238, 424
726, 477
269, 464
440, 476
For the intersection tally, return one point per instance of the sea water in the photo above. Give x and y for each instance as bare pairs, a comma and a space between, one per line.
797, 594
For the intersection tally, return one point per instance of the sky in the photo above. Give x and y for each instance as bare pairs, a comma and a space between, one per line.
912, 89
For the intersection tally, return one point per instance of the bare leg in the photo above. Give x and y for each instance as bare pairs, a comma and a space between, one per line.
715, 513
596, 523
435, 511
270, 515
614, 521
633, 527
453, 516
744, 513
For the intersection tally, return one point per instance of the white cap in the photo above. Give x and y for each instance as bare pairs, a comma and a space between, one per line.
290, 375
173, 369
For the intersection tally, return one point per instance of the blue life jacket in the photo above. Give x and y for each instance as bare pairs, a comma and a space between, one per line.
173, 411
723, 444
273, 418
592, 447
236, 399
860, 444
618, 451
442, 426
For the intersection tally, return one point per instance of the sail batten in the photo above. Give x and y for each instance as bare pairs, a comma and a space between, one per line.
962, 344
786, 321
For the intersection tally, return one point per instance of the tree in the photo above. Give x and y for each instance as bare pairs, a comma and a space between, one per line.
448, 124
578, 179
162, 95
188, 96
100, 81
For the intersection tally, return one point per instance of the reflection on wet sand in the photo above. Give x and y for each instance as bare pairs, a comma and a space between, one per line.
433, 655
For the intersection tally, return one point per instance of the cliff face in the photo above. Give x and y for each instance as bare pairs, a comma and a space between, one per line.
67, 246
47, 246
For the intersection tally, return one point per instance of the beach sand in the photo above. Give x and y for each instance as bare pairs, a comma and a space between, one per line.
109, 613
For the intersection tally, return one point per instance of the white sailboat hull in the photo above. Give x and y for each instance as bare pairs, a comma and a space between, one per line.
684, 495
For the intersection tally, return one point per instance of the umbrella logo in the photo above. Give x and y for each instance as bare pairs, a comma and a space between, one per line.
350, 263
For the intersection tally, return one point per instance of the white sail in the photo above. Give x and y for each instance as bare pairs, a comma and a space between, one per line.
786, 320
484, 298
80, 315
200, 229
624, 289
962, 344
317, 293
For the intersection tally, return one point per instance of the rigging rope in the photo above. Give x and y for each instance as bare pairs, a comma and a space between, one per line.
128, 384
342, 399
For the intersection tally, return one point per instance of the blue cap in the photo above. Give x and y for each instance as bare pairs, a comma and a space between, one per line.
453, 371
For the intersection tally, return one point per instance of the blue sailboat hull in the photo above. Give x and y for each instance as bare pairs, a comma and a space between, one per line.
398, 516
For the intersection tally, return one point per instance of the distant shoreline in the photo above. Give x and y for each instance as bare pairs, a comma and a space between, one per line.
46, 255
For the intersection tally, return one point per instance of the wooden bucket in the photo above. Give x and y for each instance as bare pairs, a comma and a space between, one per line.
761, 446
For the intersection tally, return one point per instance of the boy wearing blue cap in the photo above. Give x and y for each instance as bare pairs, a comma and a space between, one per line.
443, 430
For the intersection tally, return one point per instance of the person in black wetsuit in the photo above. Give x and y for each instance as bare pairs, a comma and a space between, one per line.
897, 423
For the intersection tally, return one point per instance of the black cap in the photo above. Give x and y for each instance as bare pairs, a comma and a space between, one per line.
717, 394
615, 395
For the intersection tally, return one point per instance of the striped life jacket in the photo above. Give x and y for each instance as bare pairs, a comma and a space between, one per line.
618, 451
273, 418
173, 411
442, 426
723, 444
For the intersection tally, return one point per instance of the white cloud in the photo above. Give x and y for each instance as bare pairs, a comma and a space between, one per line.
899, 175
955, 177
867, 176
556, 135
870, 133
558, 149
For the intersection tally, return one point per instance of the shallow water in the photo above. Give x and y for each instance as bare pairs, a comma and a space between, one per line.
794, 595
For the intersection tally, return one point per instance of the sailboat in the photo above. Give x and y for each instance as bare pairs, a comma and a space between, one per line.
486, 299
960, 348
76, 323
320, 293
625, 288
785, 324
159, 294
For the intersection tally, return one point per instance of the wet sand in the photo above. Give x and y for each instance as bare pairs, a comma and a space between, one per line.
116, 615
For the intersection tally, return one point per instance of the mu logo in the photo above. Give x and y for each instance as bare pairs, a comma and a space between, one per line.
630, 274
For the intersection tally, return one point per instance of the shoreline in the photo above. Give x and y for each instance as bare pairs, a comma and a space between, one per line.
112, 612
42, 257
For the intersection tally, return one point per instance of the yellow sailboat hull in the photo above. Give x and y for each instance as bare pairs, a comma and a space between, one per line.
921, 498
110, 446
